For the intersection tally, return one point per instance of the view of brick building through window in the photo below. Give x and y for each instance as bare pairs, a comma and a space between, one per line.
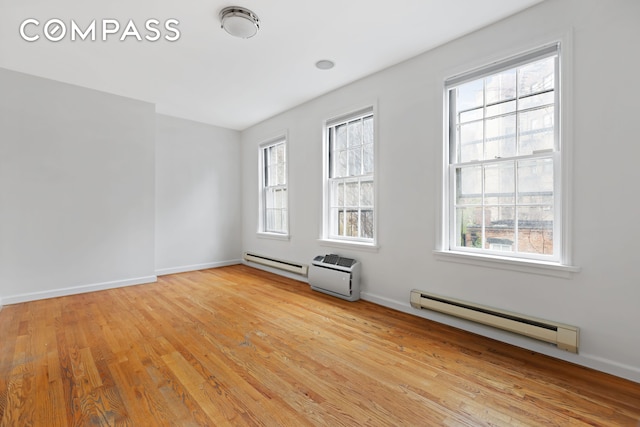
533, 236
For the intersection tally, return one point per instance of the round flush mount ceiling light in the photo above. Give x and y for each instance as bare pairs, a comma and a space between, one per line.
324, 64
239, 22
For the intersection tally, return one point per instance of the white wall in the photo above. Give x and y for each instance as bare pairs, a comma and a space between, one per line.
197, 196
603, 298
76, 189
97, 191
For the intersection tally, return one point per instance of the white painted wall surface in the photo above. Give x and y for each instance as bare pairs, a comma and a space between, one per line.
76, 189
197, 195
603, 298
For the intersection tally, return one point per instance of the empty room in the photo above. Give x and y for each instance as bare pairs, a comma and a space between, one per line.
327, 213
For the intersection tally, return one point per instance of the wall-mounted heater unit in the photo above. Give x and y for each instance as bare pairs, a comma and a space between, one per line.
565, 337
335, 275
277, 263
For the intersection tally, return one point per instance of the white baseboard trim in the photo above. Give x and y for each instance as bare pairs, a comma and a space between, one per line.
185, 268
62, 292
598, 363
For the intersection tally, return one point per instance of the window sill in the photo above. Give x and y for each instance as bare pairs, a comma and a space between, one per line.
525, 266
369, 247
273, 236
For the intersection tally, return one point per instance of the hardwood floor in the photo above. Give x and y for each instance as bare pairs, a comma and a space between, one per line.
237, 346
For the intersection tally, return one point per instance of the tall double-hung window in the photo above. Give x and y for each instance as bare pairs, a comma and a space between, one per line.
504, 159
350, 193
274, 199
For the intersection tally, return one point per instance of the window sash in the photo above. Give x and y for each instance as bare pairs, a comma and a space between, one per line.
274, 192
350, 204
351, 208
351, 152
517, 208
497, 67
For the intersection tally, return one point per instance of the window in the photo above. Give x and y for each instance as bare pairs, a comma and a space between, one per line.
274, 216
504, 164
349, 214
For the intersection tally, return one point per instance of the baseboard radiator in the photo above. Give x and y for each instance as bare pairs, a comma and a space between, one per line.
565, 337
289, 266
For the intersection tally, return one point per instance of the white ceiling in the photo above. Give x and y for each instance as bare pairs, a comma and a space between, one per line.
211, 77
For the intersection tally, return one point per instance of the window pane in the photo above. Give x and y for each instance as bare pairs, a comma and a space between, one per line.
469, 185
351, 191
367, 224
536, 130
337, 193
500, 137
535, 230
366, 193
352, 223
468, 227
536, 77
341, 217
499, 226
367, 160
501, 86
470, 142
341, 137
367, 127
535, 181
499, 182
355, 161
273, 175
340, 169
270, 220
355, 133
269, 200
469, 96
340, 195
280, 153
277, 220
282, 177
277, 199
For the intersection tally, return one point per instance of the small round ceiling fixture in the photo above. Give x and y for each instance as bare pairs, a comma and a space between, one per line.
324, 64
239, 22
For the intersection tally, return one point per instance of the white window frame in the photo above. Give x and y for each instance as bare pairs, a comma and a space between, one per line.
265, 187
560, 263
328, 235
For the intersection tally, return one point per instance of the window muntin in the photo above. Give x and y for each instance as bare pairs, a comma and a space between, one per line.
350, 144
504, 159
274, 204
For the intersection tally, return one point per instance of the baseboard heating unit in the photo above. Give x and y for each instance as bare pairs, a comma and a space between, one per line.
335, 275
289, 266
565, 337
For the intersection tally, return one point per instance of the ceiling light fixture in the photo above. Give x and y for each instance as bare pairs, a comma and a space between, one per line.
324, 64
239, 22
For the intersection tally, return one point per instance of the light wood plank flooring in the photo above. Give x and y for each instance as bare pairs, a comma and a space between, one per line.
238, 346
